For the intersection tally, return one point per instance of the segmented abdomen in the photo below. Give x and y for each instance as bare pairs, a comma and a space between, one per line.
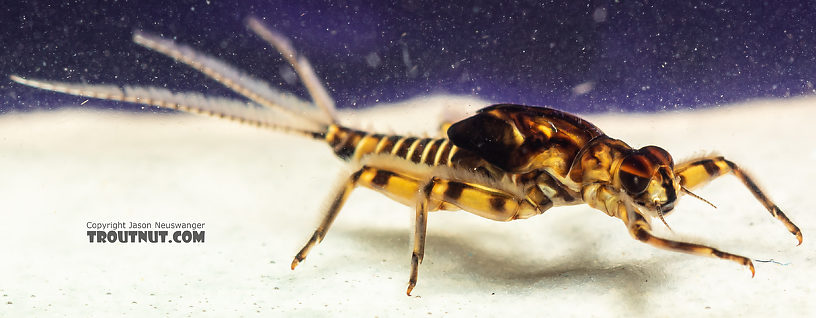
351, 145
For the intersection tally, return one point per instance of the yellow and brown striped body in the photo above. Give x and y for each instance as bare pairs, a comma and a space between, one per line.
398, 166
528, 166
352, 145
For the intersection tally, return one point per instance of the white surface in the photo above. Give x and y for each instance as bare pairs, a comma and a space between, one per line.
260, 194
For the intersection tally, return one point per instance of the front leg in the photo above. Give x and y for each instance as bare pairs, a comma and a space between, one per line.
640, 229
697, 172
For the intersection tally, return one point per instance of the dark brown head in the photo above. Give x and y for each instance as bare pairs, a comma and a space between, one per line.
647, 176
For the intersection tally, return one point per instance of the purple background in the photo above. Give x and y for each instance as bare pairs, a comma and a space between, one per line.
636, 56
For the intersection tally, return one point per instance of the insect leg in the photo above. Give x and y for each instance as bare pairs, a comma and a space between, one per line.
421, 227
337, 203
432, 195
697, 172
640, 229
478, 199
398, 186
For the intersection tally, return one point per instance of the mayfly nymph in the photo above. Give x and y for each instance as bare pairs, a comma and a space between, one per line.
504, 163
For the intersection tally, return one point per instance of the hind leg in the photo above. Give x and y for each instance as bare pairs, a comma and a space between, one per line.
434, 194
391, 183
337, 203
420, 228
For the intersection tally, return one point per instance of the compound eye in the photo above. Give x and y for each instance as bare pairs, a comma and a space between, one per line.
660, 156
635, 173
